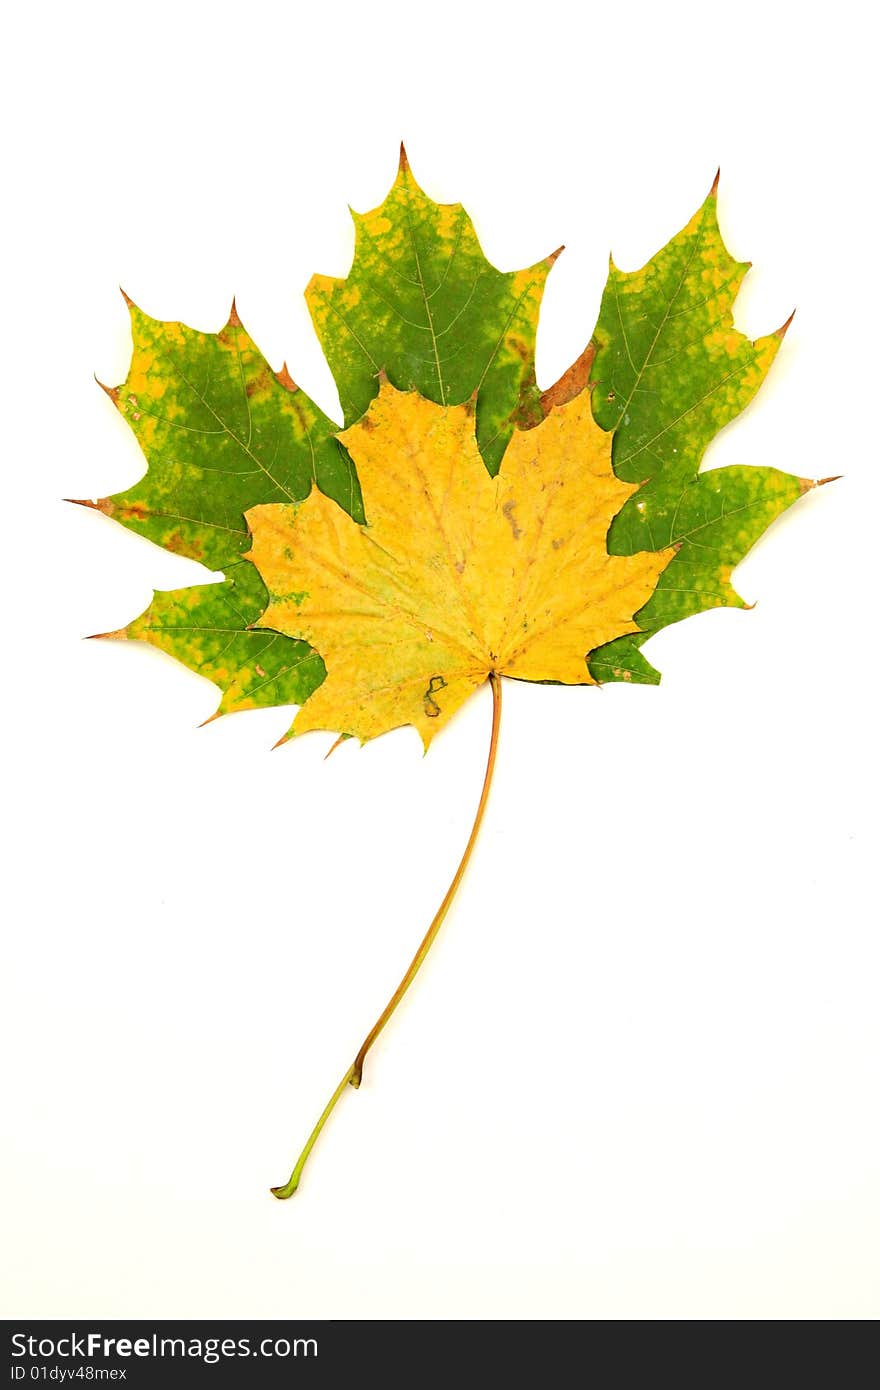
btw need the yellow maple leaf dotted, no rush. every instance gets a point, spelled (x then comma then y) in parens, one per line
(456, 574)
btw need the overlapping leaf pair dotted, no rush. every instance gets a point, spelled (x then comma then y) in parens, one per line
(463, 522)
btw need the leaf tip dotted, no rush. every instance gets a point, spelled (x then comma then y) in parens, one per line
(128, 299)
(103, 504)
(713, 191)
(210, 719)
(119, 634)
(333, 747)
(781, 332)
(554, 255)
(233, 319)
(285, 378)
(808, 484)
(402, 161)
(112, 392)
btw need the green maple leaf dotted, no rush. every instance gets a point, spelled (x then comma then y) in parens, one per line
(670, 371)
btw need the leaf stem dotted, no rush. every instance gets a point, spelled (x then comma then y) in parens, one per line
(355, 1072)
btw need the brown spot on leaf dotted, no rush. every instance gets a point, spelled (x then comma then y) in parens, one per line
(300, 414)
(259, 670)
(507, 511)
(135, 512)
(432, 709)
(179, 544)
(256, 383)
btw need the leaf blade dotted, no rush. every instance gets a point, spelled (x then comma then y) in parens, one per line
(210, 628)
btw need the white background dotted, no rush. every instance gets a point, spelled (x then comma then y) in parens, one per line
(639, 1075)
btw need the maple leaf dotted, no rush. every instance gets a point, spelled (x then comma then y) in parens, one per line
(455, 574)
(463, 526)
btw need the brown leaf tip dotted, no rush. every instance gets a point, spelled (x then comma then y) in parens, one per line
(128, 299)
(285, 378)
(572, 382)
(333, 747)
(713, 191)
(403, 162)
(234, 320)
(111, 391)
(807, 484)
(554, 255)
(781, 332)
(103, 504)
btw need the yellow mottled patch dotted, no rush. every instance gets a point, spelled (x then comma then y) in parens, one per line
(765, 351)
(448, 220)
(715, 276)
(377, 223)
(631, 282)
(318, 291)
(456, 574)
(173, 335)
(725, 340)
(530, 282)
(137, 383)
